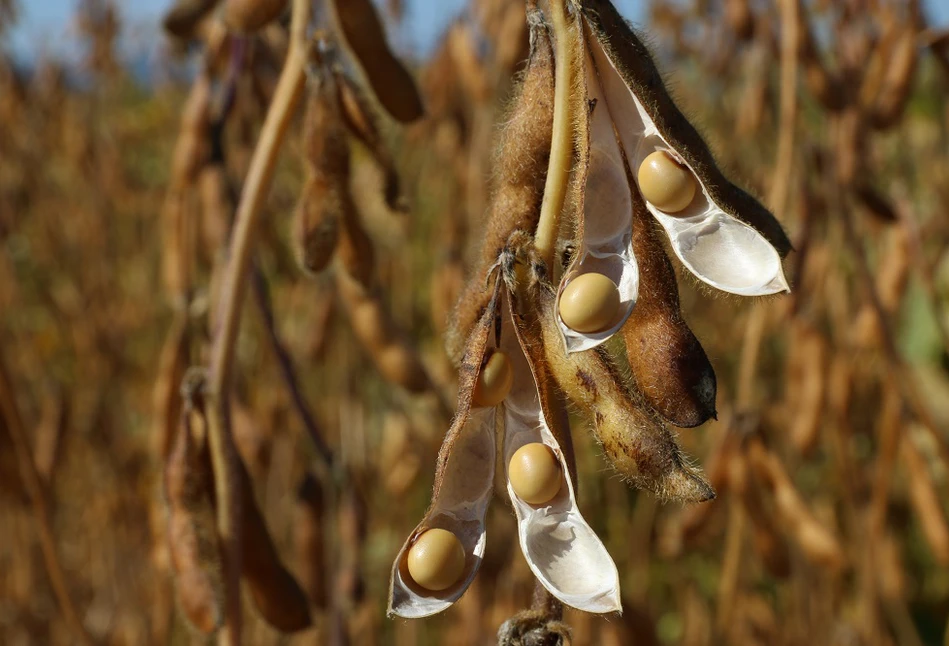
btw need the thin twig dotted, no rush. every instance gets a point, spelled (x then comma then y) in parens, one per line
(10, 416)
(262, 298)
(223, 453)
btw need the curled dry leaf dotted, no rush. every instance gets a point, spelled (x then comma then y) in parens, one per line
(464, 476)
(520, 172)
(723, 236)
(635, 440)
(603, 204)
(666, 360)
(561, 548)
(359, 24)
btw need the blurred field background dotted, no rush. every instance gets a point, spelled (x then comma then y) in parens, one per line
(831, 449)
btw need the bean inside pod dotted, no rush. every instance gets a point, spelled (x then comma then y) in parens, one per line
(535, 474)
(590, 303)
(436, 560)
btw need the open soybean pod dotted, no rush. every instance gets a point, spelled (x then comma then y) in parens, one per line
(599, 289)
(521, 171)
(359, 24)
(464, 477)
(666, 361)
(562, 550)
(637, 443)
(719, 232)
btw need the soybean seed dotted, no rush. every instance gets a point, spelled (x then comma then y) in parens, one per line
(495, 380)
(589, 303)
(436, 560)
(534, 472)
(665, 183)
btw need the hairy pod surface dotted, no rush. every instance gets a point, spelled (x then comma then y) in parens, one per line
(667, 363)
(519, 176)
(635, 440)
(359, 24)
(724, 236)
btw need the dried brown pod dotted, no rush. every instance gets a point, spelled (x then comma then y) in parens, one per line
(308, 540)
(520, 172)
(667, 362)
(897, 83)
(359, 25)
(926, 501)
(324, 199)
(276, 594)
(815, 541)
(808, 370)
(768, 541)
(393, 356)
(182, 19)
(635, 440)
(192, 532)
(361, 119)
(166, 399)
(316, 225)
(247, 16)
(468, 65)
(724, 236)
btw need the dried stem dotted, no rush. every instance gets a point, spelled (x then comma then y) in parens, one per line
(790, 38)
(224, 458)
(561, 144)
(10, 418)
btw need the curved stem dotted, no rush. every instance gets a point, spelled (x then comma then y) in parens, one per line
(561, 143)
(223, 453)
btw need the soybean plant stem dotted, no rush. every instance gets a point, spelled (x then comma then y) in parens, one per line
(223, 454)
(561, 143)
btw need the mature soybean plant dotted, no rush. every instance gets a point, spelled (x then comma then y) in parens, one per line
(598, 163)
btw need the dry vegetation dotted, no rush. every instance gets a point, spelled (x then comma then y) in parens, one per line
(158, 459)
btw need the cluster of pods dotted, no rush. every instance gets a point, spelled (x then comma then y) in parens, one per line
(528, 334)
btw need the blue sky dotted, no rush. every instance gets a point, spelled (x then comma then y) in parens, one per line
(44, 26)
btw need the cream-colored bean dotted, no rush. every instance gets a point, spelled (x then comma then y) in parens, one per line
(534, 472)
(436, 560)
(589, 303)
(495, 380)
(665, 183)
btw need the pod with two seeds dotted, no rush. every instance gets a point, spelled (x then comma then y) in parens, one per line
(721, 234)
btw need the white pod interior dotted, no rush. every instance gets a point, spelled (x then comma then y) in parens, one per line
(460, 506)
(719, 249)
(562, 550)
(604, 242)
